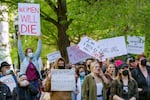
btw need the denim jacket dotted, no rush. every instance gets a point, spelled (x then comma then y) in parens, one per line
(25, 60)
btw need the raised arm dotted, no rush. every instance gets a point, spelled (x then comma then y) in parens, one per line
(39, 48)
(20, 50)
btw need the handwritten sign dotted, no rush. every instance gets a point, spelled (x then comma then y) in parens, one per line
(89, 46)
(135, 44)
(63, 80)
(112, 47)
(76, 55)
(29, 19)
(53, 56)
(9, 81)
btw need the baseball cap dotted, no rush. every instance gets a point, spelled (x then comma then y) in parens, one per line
(3, 64)
(124, 65)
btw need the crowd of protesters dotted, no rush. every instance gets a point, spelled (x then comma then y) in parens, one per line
(113, 79)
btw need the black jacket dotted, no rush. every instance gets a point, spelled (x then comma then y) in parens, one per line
(25, 93)
(5, 93)
(141, 81)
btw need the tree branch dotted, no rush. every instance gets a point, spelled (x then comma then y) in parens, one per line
(46, 17)
(52, 5)
(69, 22)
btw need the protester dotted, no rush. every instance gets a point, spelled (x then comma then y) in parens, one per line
(5, 93)
(142, 75)
(29, 63)
(25, 90)
(57, 95)
(94, 85)
(81, 72)
(110, 72)
(124, 87)
(110, 75)
(44, 95)
(5, 69)
(132, 63)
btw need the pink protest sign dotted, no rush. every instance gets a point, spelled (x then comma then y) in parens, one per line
(29, 19)
(76, 55)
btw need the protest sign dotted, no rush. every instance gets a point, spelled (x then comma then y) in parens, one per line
(135, 44)
(29, 19)
(76, 55)
(53, 56)
(112, 47)
(9, 81)
(89, 46)
(63, 80)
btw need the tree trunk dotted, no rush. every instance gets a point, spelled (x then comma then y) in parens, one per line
(63, 40)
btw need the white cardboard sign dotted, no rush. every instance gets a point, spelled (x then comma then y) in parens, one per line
(9, 81)
(89, 46)
(135, 44)
(63, 80)
(112, 47)
(76, 55)
(29, 19)
(53, 56)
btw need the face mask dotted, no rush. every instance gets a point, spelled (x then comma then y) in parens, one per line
(30, 55)
(8, 71)
(61, 67)
(143, 62)
(82, 74)
(24, 83)
(125, 72)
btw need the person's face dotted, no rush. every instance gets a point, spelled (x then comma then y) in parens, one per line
(96, 68)
(122, 69)
(4, 69)
(61, 63)
(133, 64)
(111, 69)
(29, 51)
(141, 59)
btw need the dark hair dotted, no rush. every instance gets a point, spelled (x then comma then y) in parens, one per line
(27, 51)
(77, 70)
(89, 59)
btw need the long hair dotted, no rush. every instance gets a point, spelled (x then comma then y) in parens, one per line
(114, 73)
(56, 62)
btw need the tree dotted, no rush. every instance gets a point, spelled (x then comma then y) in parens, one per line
(98, 19)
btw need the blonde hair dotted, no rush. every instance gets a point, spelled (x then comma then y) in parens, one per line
(114, 74)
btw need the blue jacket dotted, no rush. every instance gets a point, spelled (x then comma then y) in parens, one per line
(25, 59)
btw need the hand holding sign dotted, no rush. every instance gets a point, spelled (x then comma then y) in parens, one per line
(18, 34)
(40, 36)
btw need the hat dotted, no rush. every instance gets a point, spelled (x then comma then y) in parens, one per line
(130, 60)
(118, 63)
(124, 65)
(3, 64)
